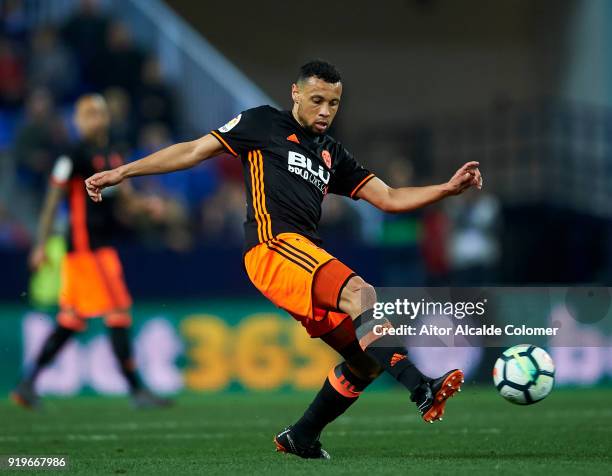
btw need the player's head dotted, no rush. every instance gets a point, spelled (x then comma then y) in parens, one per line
(91, 116)
(316, 95)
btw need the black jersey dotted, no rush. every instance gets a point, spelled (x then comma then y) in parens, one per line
(287, 172)
(91, 224)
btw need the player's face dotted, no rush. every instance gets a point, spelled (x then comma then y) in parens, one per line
(92, 117)
(315, 103)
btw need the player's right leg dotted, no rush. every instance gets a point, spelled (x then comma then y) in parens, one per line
(114, 302)
(357, 299)
(119, 323)
(68, 323)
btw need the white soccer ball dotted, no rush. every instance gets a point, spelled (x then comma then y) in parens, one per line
(524, 374)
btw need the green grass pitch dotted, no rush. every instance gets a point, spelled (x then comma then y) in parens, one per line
(568, 433)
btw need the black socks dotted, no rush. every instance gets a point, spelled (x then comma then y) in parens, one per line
(120, 341)
(121, 347)
(339, 392)
(54, 343)
(388, 350)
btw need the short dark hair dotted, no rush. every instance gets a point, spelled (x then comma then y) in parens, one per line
(319, 69)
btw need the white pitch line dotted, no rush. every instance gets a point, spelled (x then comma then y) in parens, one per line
(383, 419)
(76, 431)
(92, 437)
(136, 426)
(114, 437)
(410, 431)
(214, 436)
(13, 439)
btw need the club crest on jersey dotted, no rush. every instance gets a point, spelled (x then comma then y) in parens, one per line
(326, 158)
(301, 165)
(231, 124)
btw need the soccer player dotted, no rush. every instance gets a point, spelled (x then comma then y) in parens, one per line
(290, 163)
(92, 277)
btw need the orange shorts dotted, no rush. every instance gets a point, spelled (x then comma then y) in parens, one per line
(284, 270)
(92, 283)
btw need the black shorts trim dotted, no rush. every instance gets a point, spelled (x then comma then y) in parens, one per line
(277, 250)
(278, 241)
(298, 257)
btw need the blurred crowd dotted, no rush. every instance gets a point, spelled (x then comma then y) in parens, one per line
(44, 69)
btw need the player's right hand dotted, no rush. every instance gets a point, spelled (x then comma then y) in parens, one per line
(38, 256)
(467, 176)
(102, 180)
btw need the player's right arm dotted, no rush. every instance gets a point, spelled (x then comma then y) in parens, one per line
(181, 156)
(61, 172)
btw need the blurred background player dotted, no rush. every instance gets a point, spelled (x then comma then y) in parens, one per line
(92, 277)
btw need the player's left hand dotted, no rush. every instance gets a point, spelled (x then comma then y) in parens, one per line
(97, 182)
(467, 176)
(38, 257)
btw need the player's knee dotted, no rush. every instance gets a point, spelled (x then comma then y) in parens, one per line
(368, 296)
(357, 296)
(118, 319)
(69, 320)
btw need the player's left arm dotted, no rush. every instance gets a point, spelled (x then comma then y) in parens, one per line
(405, 199)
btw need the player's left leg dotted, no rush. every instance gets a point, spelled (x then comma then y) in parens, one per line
(345, 382)
(341, 389)
(68, 324)
(119, 323)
